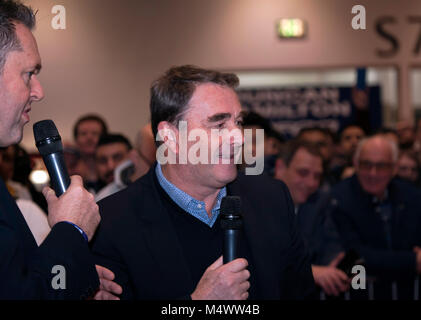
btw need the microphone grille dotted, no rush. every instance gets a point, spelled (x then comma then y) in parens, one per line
(45, 129)
(231, 205)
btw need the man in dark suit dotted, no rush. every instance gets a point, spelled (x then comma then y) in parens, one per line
(300, 166)
(26, 271)
(379, 217)
(162, 235)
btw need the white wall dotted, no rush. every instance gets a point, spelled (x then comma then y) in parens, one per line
(111, 51)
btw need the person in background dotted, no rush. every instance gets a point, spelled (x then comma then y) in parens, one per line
(34, 216)
(7, 169)
(320, 138)
(273, 140)
(86, 133)
(408, 166)
(300, 166)
(323, 140)
(23, 167)
(378, 216)
(406, 134)
(111, 151)
(349, 137)
(417, 138)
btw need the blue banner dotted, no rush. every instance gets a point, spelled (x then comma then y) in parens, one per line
(291, 109)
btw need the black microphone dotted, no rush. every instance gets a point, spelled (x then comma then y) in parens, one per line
(231, 223)
(49, 145)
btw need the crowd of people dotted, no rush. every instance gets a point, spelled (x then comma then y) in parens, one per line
(341, 185)
(132, 227)
(356, 195)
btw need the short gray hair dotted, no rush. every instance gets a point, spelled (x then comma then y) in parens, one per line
(12, 12)
(393, 147)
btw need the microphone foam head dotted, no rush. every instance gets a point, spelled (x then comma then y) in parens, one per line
(45, 129)
(231, 213)
(231, 205)
(47, 138)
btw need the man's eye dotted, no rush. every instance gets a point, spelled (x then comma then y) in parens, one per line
(118, 157)
(29, 75)
(303, 173)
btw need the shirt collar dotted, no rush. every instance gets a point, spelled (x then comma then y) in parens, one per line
(376, 200)
(194, 207)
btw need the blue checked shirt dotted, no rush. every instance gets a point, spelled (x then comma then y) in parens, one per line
(194, 207)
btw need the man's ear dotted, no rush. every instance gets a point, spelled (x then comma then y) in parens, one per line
(280, 169)
(168, 133)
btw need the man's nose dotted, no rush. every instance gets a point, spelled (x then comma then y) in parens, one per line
(313, 182)
(111, 164)
(373, 170)
(37, 91)
(237, 137)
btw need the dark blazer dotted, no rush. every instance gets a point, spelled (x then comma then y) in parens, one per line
(361, 228)
(26, 269)
(137, 241)
(318, 229)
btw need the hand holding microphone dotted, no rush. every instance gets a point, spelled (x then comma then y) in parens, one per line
(224, 281)
(70, 201)
(227, 278)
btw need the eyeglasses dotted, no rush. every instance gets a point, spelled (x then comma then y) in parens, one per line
(408, 169)
(380, 166)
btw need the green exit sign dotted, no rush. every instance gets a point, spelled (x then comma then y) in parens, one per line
(291, 28)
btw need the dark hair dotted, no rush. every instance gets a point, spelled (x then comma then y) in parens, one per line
(332, 135)
(293, 146)
(386, 130)
(114, 138)
(171, 93)
(311, 129)
(90, 117)
(351, 125)
(12, 12)
(252, 118)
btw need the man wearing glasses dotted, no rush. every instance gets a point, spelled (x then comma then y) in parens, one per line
(380, 218)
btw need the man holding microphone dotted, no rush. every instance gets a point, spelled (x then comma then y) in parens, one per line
(25, 269)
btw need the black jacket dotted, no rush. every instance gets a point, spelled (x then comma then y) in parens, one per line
(137, 241)
(26, 269)
(360, 227)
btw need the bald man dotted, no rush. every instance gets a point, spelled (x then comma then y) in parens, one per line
(379, 217)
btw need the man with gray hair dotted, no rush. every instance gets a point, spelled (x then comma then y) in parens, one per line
(378, 216)
(26, 270)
